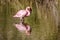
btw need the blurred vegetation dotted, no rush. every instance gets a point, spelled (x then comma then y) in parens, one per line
(44, 19)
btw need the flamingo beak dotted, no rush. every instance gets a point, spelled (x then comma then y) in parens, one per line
(30, 9)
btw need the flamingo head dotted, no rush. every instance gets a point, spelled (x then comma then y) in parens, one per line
(28, 30)
(28, 8)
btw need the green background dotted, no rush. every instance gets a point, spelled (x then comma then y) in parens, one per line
(44, 19)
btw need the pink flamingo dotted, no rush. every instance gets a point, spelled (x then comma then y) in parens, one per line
(23, 13)
(23, 27)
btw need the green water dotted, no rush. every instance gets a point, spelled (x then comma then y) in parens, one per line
(41, 20)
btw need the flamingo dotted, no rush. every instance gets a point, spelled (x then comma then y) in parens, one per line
(23, 13)
(23, 27)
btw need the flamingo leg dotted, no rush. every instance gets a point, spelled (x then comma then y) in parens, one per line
(22, 20)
